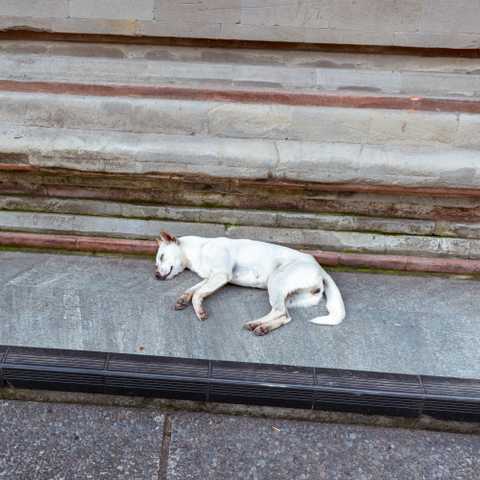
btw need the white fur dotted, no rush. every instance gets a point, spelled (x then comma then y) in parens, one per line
(292, 278)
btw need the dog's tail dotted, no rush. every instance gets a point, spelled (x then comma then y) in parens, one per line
(335, 305)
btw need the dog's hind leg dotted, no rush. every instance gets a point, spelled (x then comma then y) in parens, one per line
(272, 321)
(278, 293)
(266, 324)
(291, 284)
(184, 299)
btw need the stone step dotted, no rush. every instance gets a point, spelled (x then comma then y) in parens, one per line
(244, 68)
(230, 217)
(387, 143)
(461, 206)
(367, 126)
(134, 153)
(335, 239)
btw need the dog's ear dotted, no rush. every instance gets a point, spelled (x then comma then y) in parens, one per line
(167, 237)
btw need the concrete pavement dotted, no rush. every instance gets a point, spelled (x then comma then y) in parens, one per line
(54, 441)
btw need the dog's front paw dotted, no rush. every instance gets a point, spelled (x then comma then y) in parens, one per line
(250, 326)
(261, 330)
(201, 314)
(183, 301)
(181, 304)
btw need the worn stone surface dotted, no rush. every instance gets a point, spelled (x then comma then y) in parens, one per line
(238, 120)
(119, 152)
(53, 441)
(468, 129)
(381, 164)
(378, 22)
(264, 449)
(226, 216)
(365, 74)
(124, 152)
(403, 324)
(119, 9)
(35, 8)
(328, 237)
(233, 193)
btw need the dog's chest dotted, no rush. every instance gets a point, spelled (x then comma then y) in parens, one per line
(249, 277)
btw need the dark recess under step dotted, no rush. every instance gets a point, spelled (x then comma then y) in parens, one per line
(19, 33)
(458, 204)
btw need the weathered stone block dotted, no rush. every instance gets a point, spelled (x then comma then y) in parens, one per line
(296, 13)
(413, 128)
(179, 28)
(447, 16)
(208, 11)
(468, 134)
(118, 9)
(375, 15)
(257, 121)
(34, 8)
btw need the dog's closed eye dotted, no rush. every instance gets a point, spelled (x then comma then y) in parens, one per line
(162, 257)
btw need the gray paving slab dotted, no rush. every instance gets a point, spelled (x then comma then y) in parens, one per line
(48, 441)
(219, 447)
(395, 323)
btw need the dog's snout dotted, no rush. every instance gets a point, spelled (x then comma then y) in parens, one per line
(159, 276)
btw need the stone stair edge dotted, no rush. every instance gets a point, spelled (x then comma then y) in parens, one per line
(337, 163)
(224, 119)
(105, 245)
(247, 54)
(457, 80)
(322, 237)
(238, 217)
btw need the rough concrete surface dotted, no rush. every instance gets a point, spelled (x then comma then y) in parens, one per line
(49, 441)
(236, 447)
(425, 23)
(403, 324)
(55, 441)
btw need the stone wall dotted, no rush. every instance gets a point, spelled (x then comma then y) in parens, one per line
(420, 23)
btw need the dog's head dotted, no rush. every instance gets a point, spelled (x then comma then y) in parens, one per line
(169, 261)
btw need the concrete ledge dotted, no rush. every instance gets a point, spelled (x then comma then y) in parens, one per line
(118, 152)
(77, 243)
(250, 95)
(298, 237)
(419, 24)
(259, 218)
(241, 217)
(222, 119)
(152, 69)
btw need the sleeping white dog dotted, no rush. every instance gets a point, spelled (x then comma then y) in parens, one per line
(292, 278)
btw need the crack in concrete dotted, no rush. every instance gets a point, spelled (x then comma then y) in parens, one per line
(165, 447)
